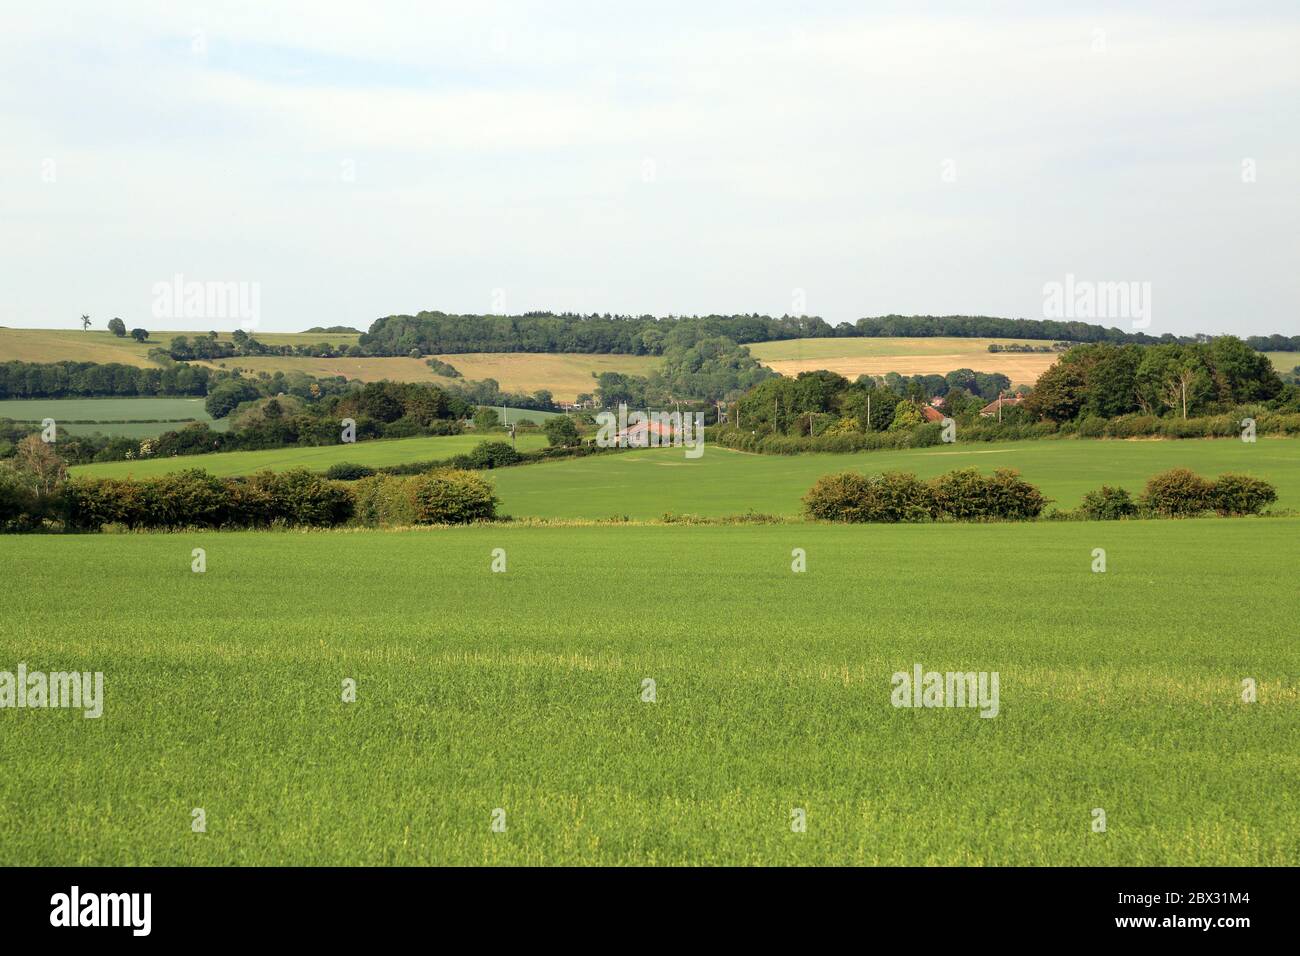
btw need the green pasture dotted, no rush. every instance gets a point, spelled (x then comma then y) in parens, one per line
(373, 453)
(130, 417)
(647, 483)
(523, 692)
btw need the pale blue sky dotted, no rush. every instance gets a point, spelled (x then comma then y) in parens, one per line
(358, 160)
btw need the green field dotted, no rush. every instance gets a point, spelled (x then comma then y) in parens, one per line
(647, 483)
(515, 415)
(376, 454)
(522, 691)
(130, 417)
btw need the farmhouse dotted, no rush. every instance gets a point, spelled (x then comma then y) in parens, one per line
(639, 435)
(931, 413)
(1008, 401)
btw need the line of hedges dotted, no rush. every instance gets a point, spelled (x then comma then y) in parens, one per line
(196, 499)
(922, 436)
(485, 456)
(1181, 493)
(893, 496)
(967, 495)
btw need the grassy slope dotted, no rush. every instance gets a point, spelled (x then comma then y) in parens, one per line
(98, 345)
(373, 453)
(647, 483)
(566, 375)
(1119, 691)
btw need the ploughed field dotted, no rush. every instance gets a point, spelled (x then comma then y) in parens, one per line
(525, 692)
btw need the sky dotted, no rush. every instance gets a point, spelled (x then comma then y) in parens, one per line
(353, 160)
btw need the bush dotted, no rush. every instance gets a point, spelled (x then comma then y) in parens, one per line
(966, 495)
(1241, 495)
(441, 497)
(560, 431)
(889, 497)
(452, 497)
(381, 501)
(493, 454)
(293, 497)
(348, 471)
(840, 497)
(1108, 504)
(1177, 493)
(187, 498)
(18, 501)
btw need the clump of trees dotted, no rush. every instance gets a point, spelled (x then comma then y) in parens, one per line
(1183, 380)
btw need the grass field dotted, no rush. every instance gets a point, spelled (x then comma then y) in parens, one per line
(1284, 361)
(372, 453)
(907, 356)
(522, 691)
(646, 483)
(112, 416)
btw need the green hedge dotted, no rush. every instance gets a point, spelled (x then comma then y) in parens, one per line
(441, 497)
(964, 495)
(1181, 493)
(195, 499)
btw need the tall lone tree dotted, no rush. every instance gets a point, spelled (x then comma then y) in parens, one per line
(85, 322)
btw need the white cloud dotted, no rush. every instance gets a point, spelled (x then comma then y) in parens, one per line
(504, 147)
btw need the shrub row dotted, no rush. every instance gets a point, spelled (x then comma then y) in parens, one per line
(1181, 493)
(964, 495)
(440, 497)
(499, 455)
(1127, 426)
(195, 499)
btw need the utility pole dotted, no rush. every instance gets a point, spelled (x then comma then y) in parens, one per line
(868, 411)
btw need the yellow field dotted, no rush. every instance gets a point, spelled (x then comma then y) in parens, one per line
(565, 374)
(100, 345)
(907, 356)
(1284, 361)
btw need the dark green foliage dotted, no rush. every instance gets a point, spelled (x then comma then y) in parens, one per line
(963, 495)
(852, 497)
(1108, 504)
(1241, 495)
(493, 454)
(348, 471)
(561, 432)
(440, 497)
(195, 499)
(967, 495)
(1177, 493)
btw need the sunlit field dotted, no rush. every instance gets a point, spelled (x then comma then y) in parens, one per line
(908, 356)
(522, 698)
(376, 454)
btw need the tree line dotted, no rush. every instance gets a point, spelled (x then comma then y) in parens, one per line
(429, 333)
